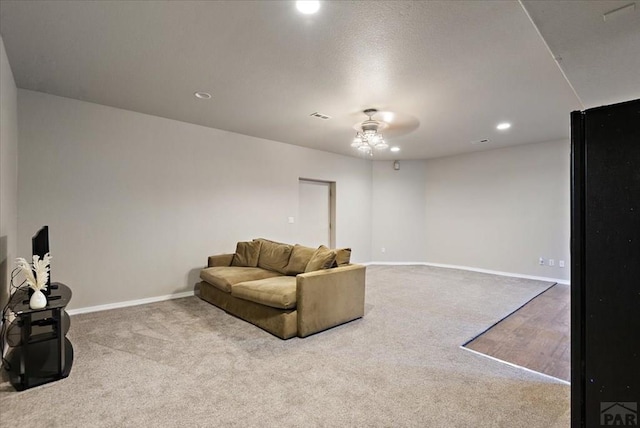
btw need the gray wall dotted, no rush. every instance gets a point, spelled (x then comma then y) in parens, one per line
(8, 173)
(501, 209)
(399, 211)
(135, 203)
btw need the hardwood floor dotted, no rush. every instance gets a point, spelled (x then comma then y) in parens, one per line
(537, 336)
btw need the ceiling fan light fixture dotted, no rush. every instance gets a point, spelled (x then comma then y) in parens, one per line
(382, 145)
(369, 137)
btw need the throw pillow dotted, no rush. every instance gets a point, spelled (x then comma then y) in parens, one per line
(343, 257)
(246, 254)
(322, 258)
(299, 259)
(274, 256)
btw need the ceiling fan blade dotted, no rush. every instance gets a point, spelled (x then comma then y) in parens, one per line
(392, 124)
(397, 123)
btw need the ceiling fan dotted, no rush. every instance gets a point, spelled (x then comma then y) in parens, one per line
(369, 135)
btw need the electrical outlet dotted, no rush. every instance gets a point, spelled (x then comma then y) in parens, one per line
(561, 263)
(383, 250)
(291, 220)
(552, 262)
(541, 261)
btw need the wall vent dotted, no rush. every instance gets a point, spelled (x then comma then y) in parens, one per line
(320, 116)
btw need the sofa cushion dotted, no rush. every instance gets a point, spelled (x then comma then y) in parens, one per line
(343, 256)
(322, 258)
(274, 255)
(277, 292)
(223, 277)
(246, 254)
(300, 256)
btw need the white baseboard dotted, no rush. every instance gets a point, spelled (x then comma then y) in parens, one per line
(129, 303)
(474, 269)
(190, 293)
(394, 263)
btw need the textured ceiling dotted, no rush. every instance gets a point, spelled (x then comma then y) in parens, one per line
(601, 58)
(454, 68)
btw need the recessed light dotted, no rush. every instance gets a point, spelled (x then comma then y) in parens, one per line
(308, 7)
(203, 95)
(504, 125)
(395, 149)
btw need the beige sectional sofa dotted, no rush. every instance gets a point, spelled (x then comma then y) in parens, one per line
(287, 290)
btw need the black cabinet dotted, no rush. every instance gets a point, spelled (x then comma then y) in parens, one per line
(605, 266)
(39, 350)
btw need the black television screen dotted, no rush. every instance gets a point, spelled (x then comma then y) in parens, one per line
(40, 247)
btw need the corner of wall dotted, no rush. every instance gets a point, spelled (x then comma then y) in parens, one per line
(8, 172)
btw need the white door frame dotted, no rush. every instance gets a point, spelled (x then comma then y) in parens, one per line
(332, 207)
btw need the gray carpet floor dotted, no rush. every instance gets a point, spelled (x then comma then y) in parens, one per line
(185, 363)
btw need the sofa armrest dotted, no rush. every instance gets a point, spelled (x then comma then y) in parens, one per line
(220, 260)
(327, 298)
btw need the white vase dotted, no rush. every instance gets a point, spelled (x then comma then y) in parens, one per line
(38, 300)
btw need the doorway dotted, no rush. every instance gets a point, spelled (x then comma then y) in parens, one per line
(316, 212)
